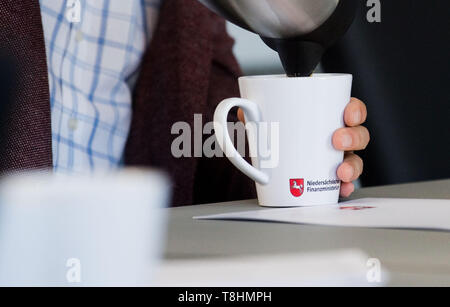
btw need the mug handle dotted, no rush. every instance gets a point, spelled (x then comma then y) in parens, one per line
(252, 114)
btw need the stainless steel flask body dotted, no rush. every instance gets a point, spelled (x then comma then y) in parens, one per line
(299, 30)
(275, 18)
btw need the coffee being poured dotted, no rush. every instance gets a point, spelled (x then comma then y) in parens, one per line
(299, 30)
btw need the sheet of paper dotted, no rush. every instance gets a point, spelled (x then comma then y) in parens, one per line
(420, 214)
(329, 268)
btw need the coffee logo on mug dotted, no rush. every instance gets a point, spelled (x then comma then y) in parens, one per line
(297, 187)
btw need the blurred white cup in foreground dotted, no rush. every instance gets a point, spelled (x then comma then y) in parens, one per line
(96, 230)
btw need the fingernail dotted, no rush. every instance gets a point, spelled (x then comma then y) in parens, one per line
(356, 117)
(346, 141)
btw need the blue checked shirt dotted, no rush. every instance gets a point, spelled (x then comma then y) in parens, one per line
(94, 50)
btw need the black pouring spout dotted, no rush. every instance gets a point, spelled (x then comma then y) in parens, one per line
(301, 55)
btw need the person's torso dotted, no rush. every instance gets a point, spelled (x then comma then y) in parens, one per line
(94, 50)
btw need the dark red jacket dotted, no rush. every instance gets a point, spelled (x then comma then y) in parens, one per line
(188, 69)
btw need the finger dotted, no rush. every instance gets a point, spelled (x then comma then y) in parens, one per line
(355, 113)
(351, 168)
(347, 189)
(348, 139)
(240, 115)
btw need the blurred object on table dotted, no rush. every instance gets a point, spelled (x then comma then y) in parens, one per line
(98, 230)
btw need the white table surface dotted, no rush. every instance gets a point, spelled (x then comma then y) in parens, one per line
(413, 258)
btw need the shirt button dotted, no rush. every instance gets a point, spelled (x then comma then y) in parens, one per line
(79, 36)
(73, 124)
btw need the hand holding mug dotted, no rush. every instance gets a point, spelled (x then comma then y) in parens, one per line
(352, 138)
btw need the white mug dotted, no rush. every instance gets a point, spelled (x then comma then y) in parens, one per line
(296, 119)
(97, 230)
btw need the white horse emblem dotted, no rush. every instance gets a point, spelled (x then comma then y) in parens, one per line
(297, 187)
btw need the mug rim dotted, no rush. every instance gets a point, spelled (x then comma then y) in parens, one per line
(315, 76)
